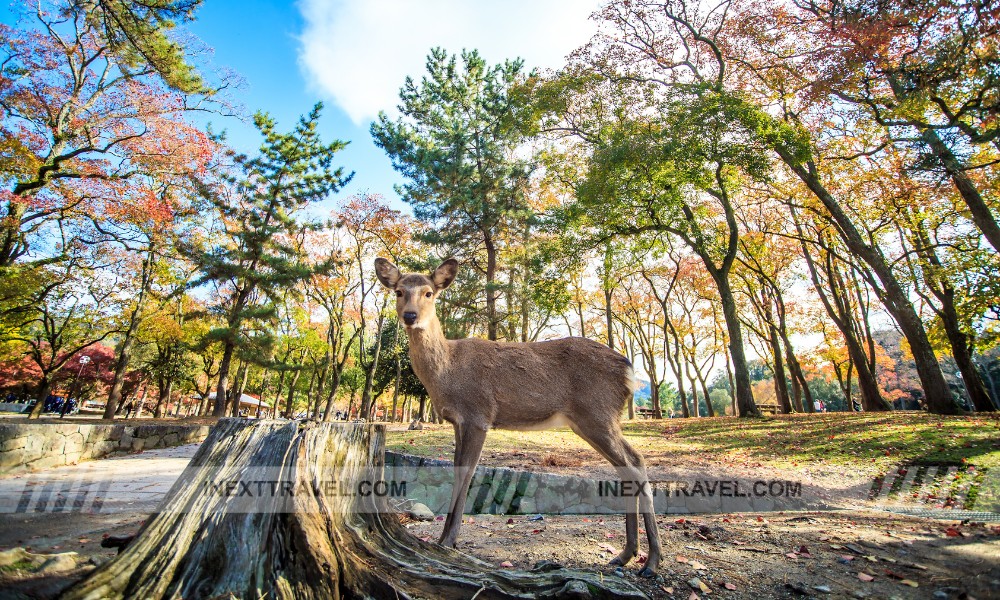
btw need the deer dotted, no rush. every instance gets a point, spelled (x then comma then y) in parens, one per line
(478, 385)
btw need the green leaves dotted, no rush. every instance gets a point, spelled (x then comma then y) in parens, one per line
(138, 33)
(257, 251)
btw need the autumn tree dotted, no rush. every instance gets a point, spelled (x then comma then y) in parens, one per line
(86, 88)
(925, 71)
(373, 230)
(671, 43)
(66, 320)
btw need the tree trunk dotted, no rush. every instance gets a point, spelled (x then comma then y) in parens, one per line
(709, 409)
(803, 398)
(162, 397)
(121, 366)
(278, 389)
(237, 393)
(366, 395)
(745, 405)
(893, 296)
(44, 387)
(289, 409)
(304, 545)
(654, 392)
(974, 384)
(978, 209)
(780, 383)
(491, 292)
(334, 386)
(961, 342)
(125, 354)
(219, 410)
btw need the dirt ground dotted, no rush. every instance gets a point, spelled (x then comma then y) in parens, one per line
(737, 556)
(743, 556)
(845, 554)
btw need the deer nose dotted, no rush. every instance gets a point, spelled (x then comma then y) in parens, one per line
(409, 318)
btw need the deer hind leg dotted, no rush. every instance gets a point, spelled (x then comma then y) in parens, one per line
(611, 444)
(468, 446)
(648, 512)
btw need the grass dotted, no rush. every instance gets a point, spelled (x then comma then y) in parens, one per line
(873, 441)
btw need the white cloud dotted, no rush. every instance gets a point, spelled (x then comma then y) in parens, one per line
(358, 52)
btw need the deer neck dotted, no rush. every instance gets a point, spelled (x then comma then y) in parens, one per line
(429, 353)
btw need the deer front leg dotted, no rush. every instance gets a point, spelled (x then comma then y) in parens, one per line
(468, 446)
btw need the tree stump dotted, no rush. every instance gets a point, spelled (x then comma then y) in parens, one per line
(307, 545)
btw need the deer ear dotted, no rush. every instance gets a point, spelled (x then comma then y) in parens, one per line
(387, 273)
(445, 274)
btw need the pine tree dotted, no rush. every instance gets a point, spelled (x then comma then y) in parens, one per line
(456, 144)
(254, 252)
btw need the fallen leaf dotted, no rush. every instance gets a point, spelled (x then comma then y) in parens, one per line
(952, 532)
(83, 540)
(729, 586)
(693, 596)
(697, 566)
(910, 583)
(792, 555)
(666, 589)
(865, 576)
(698, 584)
(506, 564)
(804, 551)
(609, 548)
(681, 559)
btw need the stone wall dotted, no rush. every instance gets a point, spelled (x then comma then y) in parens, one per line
(32, 446)
(497, 490)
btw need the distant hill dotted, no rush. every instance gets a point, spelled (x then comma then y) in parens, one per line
(642, 394)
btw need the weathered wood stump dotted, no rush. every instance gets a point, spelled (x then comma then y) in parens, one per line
(213, 541)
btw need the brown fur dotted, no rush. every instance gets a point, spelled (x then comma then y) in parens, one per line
(477, 385)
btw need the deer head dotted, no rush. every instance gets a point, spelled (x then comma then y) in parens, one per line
(415, 293)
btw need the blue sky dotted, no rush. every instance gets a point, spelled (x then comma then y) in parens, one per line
(354, 55)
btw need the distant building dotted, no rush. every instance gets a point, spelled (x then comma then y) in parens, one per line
(249, 404)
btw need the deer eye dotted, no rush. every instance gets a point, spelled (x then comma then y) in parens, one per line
(399, 293)
(428, 294)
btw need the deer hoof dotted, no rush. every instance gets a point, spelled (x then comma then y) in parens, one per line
(647, 573)
(616, 562)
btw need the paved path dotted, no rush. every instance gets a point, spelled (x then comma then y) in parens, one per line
(72, 507)
(107, 485)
